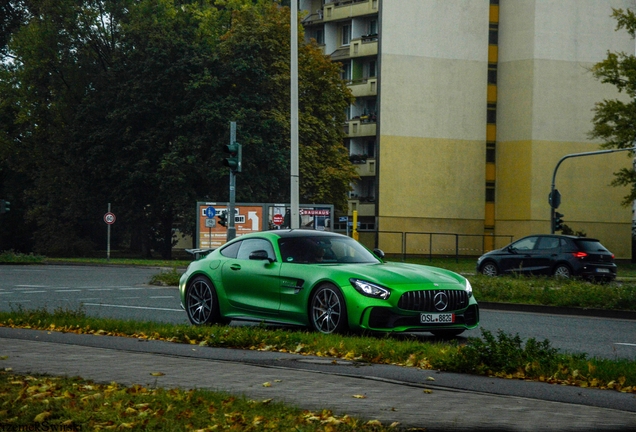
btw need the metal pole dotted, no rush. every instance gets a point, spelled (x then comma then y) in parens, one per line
(552, 208)
(294, 189)
(108, 239)
(231, 230)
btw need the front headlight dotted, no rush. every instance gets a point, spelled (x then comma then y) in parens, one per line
(370, 289)
(469, 289)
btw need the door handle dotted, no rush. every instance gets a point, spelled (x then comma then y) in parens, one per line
(235, 266)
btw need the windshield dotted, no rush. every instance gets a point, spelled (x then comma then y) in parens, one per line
(305, 250)
(591, 246)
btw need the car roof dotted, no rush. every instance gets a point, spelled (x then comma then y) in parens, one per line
(571, 237)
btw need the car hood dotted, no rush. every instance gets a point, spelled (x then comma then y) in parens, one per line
(396, 274)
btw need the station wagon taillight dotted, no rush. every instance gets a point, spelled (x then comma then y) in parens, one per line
(579, 254)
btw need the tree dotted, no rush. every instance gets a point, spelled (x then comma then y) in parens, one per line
(129, 102)
(615, 119)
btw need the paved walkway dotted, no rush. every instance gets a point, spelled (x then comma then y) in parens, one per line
(387, 400)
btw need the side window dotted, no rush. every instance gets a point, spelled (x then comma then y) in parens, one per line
(548, 243)
(252, 245)
(231, 250)
(525, 244)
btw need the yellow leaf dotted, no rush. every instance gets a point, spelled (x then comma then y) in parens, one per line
(42, 416)
(357, 396)
(267, 384)
(430, 379)
(374, 423)
(427, 391)
(4, 357)
(157, 373)
(266, 401)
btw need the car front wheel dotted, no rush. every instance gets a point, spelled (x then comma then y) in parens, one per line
(201, 302)
(562, 271)
(327, 310)
(489, 269)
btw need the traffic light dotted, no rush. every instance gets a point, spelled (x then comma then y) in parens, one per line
(233, 161)
(222, 219)
(4, 206)
(558, 221)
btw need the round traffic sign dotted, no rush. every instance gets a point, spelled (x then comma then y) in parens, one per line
(278, 219)
(109, 218)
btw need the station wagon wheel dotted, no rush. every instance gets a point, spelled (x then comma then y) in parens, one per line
(489, 269)
(327, 310)
(201, 302)
(562, 271)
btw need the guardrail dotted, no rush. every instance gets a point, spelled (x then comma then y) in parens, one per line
(446, 244)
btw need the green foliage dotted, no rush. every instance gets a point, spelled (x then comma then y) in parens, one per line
(12, 257)
(614, 119)
(505, 354)
(553, 292)
(130, 103)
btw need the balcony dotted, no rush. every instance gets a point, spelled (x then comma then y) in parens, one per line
(347, 9)
(364, 87)
(364, 167)
(363, 47)
(360, 127)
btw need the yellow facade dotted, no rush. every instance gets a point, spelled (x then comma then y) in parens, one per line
(476, 102)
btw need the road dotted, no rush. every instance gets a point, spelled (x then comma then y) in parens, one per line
(124, 293)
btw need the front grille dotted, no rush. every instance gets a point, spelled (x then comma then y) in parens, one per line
(424, 301)
(383, 318)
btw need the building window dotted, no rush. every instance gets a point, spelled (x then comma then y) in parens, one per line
(490, 191)
(492, 74)
(373, 27)
(372, 69)
(346, 34)
(491, 114)
(320, 36)
(493, 34)
(346, 72)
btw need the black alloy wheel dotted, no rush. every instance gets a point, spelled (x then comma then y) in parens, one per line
(327, 310)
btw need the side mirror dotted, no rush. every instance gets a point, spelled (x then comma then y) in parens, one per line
(379, 253)
(261, 255)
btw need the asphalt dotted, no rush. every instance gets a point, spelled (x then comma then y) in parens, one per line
(415, 398)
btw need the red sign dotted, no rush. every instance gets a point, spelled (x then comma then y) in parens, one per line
(278, 219)
(109, 218)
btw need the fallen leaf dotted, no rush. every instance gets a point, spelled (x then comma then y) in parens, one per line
(267, 384)
(157, 373)
(42, 416)
(427, 391)
(357, 396)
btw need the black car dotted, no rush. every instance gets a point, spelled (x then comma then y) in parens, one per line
(558, 255)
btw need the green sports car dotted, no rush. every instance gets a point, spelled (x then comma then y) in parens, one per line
(326, 281)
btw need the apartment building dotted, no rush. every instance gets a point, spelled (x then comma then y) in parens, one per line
(463, 110)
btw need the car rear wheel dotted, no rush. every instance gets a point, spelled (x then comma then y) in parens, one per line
(327, 310)
(562, 271)
(489, 269)
(201, 302)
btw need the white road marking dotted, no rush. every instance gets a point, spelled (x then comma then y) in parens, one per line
(132, 307)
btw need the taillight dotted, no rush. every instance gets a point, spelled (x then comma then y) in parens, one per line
(579, 254)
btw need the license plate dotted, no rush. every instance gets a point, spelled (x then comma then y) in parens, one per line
(602, 270)
(437, 318)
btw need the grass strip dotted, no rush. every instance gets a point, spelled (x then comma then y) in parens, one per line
(41, 402)
(501, 355)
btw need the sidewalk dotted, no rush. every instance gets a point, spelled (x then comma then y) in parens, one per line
(129, 361)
